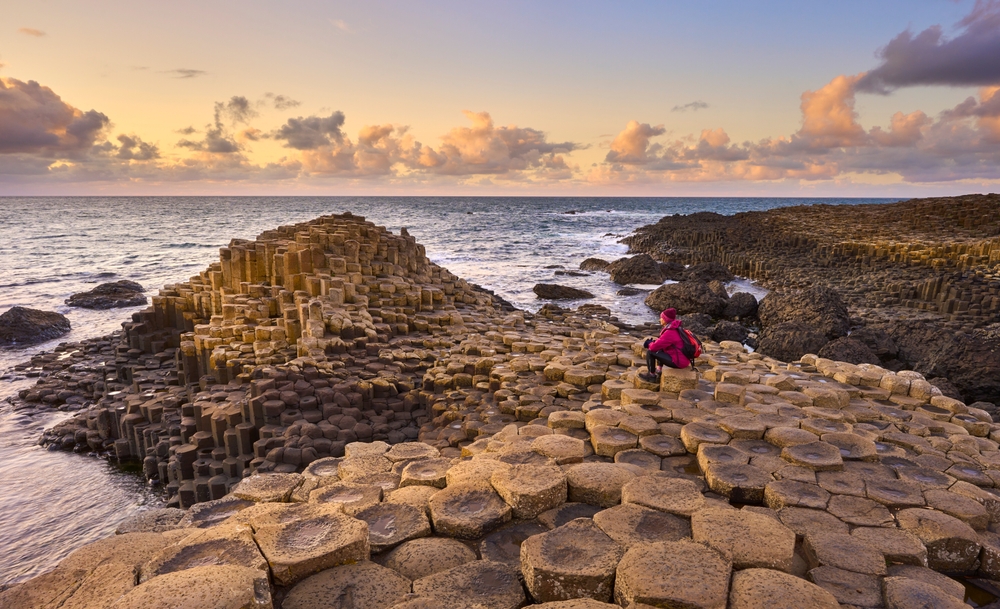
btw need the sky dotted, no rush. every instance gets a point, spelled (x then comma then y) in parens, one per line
(657, 98)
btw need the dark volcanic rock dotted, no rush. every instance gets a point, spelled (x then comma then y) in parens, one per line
(820, 308)
(729, 330)
(741, 305)
(790, 340)
(848, 349)
(674, 271)
(699, 323)
(112, 295)
(22, 326)
(637, 269)
(946, 387)
(970, 362)
(708, 271)
(878, 340)
(989, 407)
(719, 288)
(686, 297)
(594, 264)
(552, 291)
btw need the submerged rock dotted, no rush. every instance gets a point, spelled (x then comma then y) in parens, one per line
(24, 326)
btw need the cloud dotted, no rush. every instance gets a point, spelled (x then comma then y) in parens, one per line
(281, 102)
(971, 58)
(189, 130)
(341, 25)
(186, 73)
(311, 132)
(632, 145)
(134, 149)
(961, 143)
(828, 116)
(30, 31)
(238, 109)
(486, 149)
(33, 119)
(693, 106)
(218, 137)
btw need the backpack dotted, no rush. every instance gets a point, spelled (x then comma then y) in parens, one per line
(690, 345)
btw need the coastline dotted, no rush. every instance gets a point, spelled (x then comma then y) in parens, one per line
(553, 390)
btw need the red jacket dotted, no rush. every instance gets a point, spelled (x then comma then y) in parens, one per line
(670, 342)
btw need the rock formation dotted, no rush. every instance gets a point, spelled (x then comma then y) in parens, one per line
(111, 295)
(553, 291)
(926, 262)
(528, 450)
(23, 326)
(637, 269)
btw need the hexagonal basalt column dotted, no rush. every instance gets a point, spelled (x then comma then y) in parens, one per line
(531, 489)
(748, 539)
(672, 495)
(572, 561)
(769, 589)
(598, 484)
(267, 487)
(630, 524)
(673, 574)
(303, 547)
(390, 524)
(468, 511)
(952, 545)
(428, 555)
(365, 584)
(480, 583)
(426, 472)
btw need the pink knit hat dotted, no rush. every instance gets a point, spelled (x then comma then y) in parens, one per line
(668, 315)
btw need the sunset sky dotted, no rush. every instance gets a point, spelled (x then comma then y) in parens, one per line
(849, 98)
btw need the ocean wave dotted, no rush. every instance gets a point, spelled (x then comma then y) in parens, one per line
(187, 245)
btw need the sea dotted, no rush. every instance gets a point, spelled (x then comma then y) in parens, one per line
(51, 247)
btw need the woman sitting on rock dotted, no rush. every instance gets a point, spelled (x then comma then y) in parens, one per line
(665, 350)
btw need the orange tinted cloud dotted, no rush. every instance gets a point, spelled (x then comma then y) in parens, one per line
(30, 31)
(961, 143)
(828, 116)
(43, 137)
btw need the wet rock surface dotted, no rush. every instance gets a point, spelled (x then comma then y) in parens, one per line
(466, 449)
(553, 291)
(111, 295)
(24, 326)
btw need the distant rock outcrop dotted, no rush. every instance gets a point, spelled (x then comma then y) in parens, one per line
(850, 350)
(788, 341)
(594, 264)
(687, 297)
(23, 326)
(820, 308)
(637, 269)
(708, 271)
(111, 295)
(741, 305)
(554, 291)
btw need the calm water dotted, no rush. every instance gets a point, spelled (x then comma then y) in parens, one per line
(53, 247)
